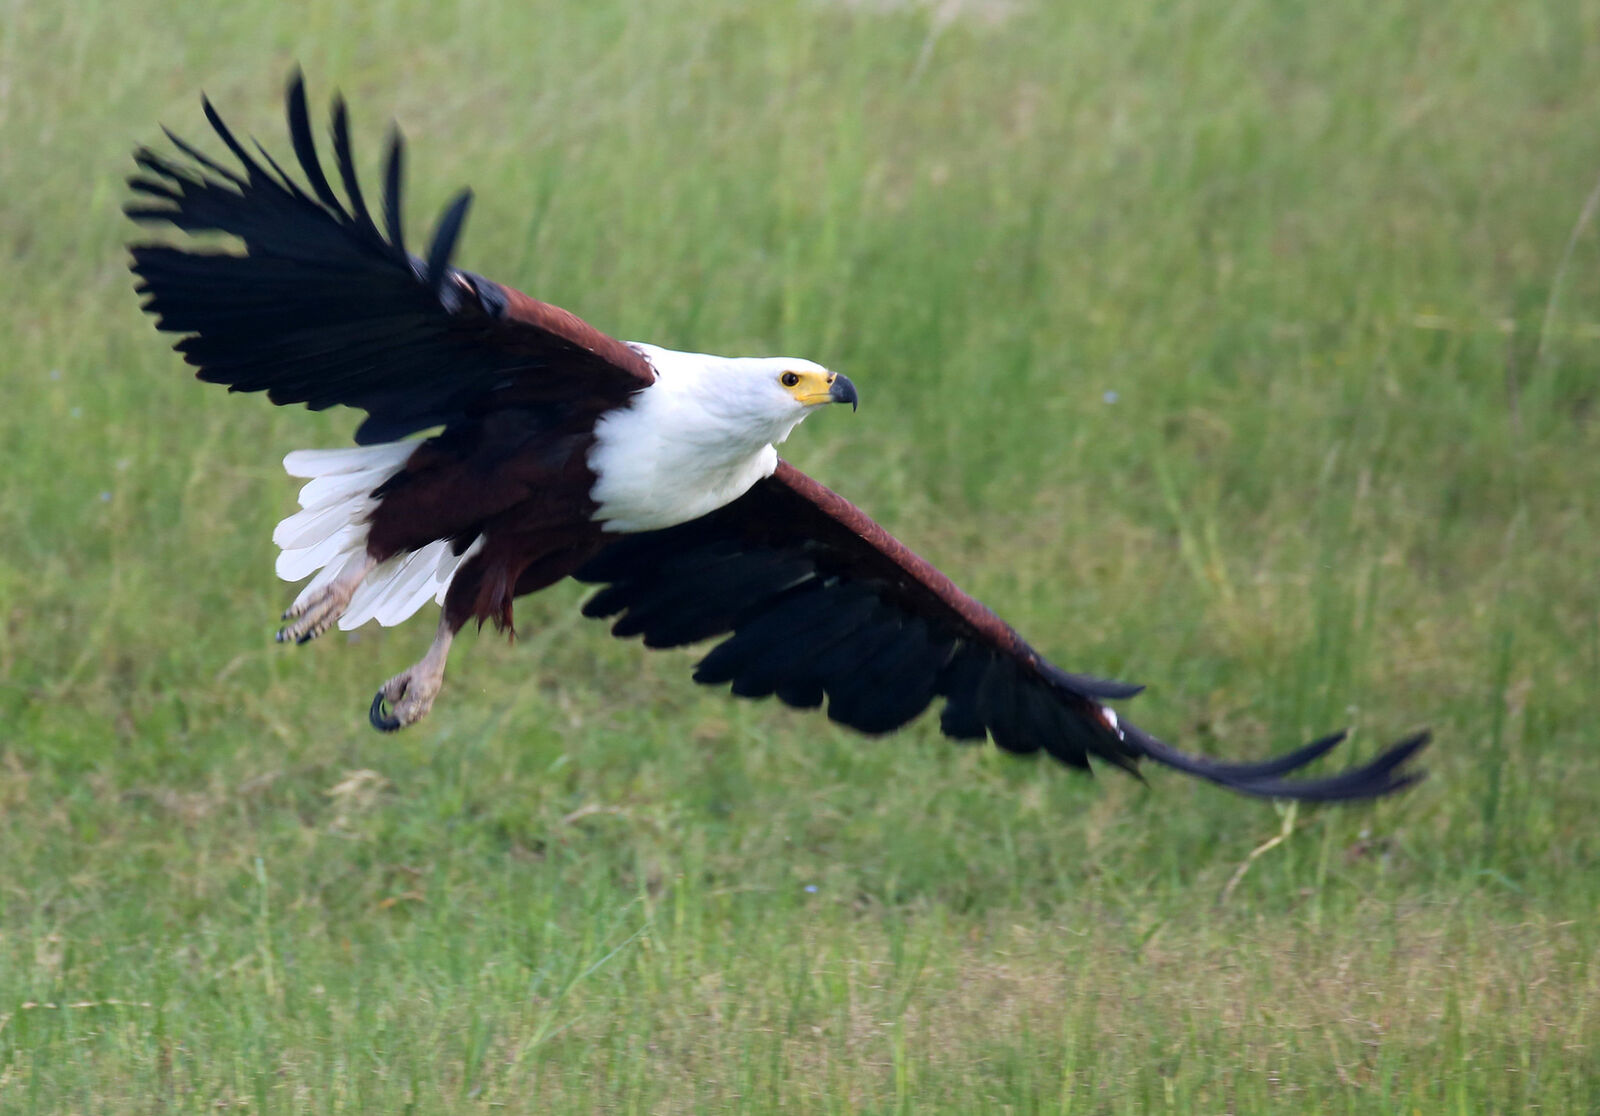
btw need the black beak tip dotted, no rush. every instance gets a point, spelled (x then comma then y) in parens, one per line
(843, 391)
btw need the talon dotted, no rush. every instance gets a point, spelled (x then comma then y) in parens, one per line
(319, 613)
(381, 718)
(406, 698)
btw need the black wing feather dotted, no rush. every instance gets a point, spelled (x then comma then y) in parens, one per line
(818, 603)
(960, 683)
(344, 157)
(393, 172)
(322, 308)
(444, 243)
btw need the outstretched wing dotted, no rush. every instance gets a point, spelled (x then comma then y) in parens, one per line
(323, 307)
(824, 603)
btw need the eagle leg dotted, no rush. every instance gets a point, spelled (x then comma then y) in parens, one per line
(319, 612)
(409, 695)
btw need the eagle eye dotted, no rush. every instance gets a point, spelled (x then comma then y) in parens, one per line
(789, 379)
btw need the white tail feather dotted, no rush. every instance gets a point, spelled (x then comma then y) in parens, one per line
(311, 526)
(351, 459)
(325, 492)
(393, 584)
(450, 563)
(329, 534)
(348, 538)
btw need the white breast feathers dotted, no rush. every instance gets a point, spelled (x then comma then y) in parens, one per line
(691, 442)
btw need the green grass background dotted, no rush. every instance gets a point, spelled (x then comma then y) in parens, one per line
(1249, 350)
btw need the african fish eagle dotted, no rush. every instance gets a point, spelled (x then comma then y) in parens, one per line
(553, 450)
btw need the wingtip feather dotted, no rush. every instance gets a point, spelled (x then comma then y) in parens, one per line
(1378, 778)
(344, 159)
(444, 240)
(294, 89)
(305, 144)
(393, 172)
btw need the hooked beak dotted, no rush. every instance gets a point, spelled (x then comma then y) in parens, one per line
(842, 391)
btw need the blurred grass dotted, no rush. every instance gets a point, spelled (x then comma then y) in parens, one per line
(1226, 348)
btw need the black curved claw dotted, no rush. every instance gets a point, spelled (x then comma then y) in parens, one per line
(382, 719)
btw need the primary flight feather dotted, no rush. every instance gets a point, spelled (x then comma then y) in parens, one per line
(561, 452)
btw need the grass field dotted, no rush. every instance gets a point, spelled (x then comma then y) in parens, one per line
(1249, 350)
